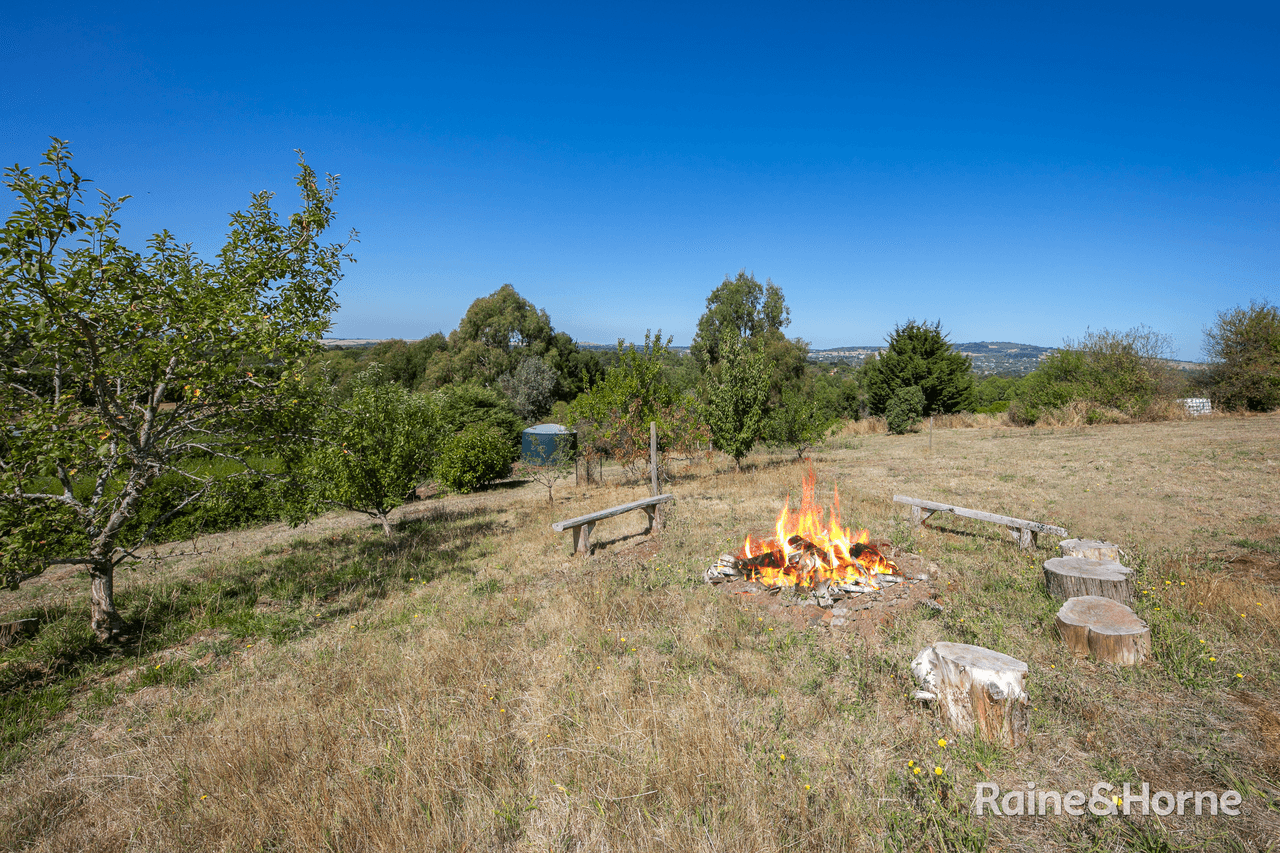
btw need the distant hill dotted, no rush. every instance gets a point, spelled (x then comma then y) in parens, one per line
(587, 345)
(988, 356)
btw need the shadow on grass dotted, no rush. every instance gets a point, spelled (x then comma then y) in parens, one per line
(280, 595)
(992, 535)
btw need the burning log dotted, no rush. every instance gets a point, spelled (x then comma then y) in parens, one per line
(1069, 577)
(1090, 549)
(978, 691)
(808, 552)
(802, 564)
(1105, 628)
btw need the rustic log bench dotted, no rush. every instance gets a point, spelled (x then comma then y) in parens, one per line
(1023, 531)
(583, 524)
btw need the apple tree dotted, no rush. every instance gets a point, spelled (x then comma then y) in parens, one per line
(119, 366)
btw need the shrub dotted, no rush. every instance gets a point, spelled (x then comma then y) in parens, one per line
(475, 456)
(1244, 356)
(798, 421)
(905, 409)
(1120, 371)
(530, 388)
(472, 405)
(240, 499)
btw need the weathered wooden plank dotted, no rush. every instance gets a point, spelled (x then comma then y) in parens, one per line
(1007, 521)
(561, 526)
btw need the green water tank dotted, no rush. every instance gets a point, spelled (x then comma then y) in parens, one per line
(538, 443)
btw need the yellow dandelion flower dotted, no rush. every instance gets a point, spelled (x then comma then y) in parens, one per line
(937, 771)
(942, 742)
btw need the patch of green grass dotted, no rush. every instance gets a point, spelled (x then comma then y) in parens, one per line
(1272, 547)
(492, 586)
(174, 673)
(935, 813)
(1185, 656)
(25, 714)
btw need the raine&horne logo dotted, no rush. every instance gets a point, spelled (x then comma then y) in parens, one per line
(1106, 799)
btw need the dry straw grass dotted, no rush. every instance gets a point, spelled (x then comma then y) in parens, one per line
(519, 699)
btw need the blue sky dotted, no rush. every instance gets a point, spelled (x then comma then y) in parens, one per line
(1017, 171)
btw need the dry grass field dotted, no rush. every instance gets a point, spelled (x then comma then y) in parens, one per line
(470, 686)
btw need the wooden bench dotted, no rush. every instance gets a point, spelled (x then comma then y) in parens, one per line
(1023, 531)
(583, 524)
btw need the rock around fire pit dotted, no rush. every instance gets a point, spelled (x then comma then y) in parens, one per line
(858, 612)
(813, 570)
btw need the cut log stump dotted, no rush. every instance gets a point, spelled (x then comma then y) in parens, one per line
(12, 632)
(1068, 577)
(978, 691)
(1090, 549)
(1104, 628)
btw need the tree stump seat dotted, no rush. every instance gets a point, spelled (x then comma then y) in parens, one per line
(1069, 577)
(978, 691)
(1090, 549)
(1104, 628)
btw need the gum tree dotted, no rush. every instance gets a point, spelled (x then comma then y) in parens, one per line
(118, 366)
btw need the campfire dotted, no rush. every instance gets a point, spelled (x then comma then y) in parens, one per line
(809, 553)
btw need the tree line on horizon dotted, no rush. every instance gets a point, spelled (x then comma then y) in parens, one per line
(152, 395)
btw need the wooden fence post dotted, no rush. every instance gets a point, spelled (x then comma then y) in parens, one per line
(656, 520)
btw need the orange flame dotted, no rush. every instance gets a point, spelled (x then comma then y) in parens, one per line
(805, 550)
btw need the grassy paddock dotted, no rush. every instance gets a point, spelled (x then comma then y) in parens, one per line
(470, 686)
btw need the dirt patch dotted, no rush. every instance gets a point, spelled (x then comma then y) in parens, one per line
(1260, 567)
(1263, 717)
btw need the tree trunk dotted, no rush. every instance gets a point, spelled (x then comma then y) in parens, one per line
(978, 691)
(1105, 628)
(1090, 549)
(103, 618)
(386, 524)
(1069, 577)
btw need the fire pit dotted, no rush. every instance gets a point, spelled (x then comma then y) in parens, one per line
(819, 562)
